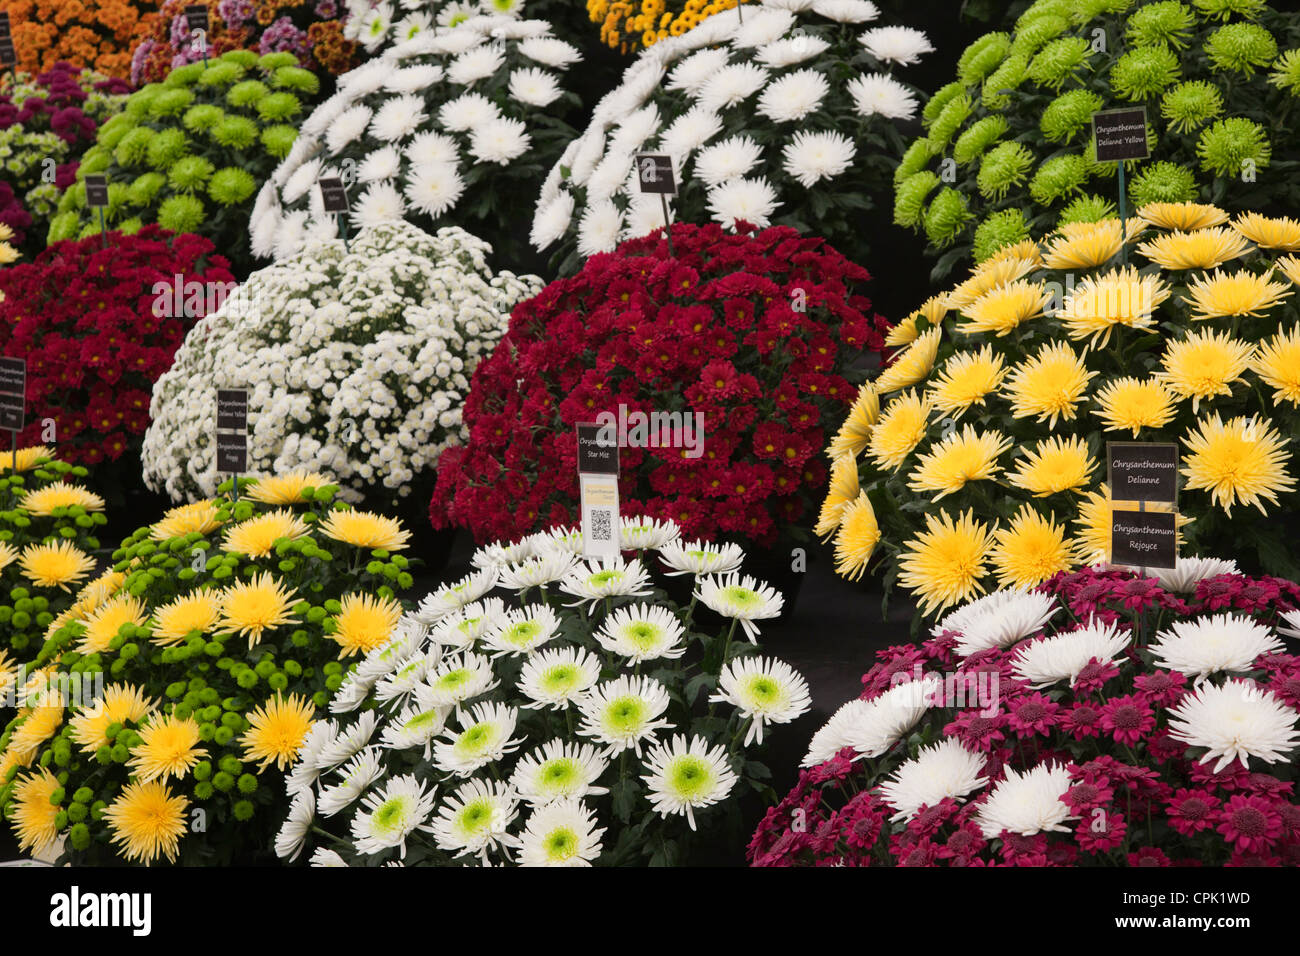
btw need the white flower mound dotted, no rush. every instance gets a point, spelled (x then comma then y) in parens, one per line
(737, 104)
(356, 363)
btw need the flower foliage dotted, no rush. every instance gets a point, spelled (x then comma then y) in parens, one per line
(94, 33)
(1106, 719)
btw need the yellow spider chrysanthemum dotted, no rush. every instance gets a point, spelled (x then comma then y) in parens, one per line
(1048, 386)
(35, 818)
(843, 489)
(856, 539)
(104, 623)
(944, 564)
(1087, 245)
(38, 727)
(1054, 465)
(8, 555)
(1031, 550)
(253, 607)
(364, 622)
(121, 703)
(43, 501)
(1290, 266)
(363, 529)
(1201, 249)
(1131, 404)
(277, 731)
(1182, 216)
(8, 674)
(168, 747)
(932, 310)
(11, 762)
(1093, 521)
(199, 517)
(966, 380)
(1234, 294)
(1240, 460)
(1204, 365)
(901, 427)
(1277, 362)
(257, 536)
(1004, 308)
(55, 565)
(89, 598)
(1024, 249)
(854, 434)
(913, 364)
(1100, 303)
(962, 457)
(148, 821)
(991, 273)
(286, 489)
(197, 612)
(28, 458)
(1268, 233)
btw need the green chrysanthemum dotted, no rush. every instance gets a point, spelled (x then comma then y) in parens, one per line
(296, 80)
(278, 140)
(1240, 48)
(999, 229)
(1004, 166)
(132, 148)
(1144, 73)
(942, 97)
(117, 199)
(946, 217)
(270, 62)
(130, 226)
(1044, 8)
(245, 58)
(170, 103)
(231, 186)
(278, 106)
(246, 93)
(111, 133)
(166, 147)
(1086, 208)
(1085, 10)
(1059, 61)
(63, 226)
(181, 213)
(1167, 22)
(184, 75)
(1069, 115)
(142, 191)
(1189, 106)
(190, 173)
(137, 105)
(909, 198)
(978, 139)
(1286, 72)
(1163, 182)
(1032, 36)
(949, 120)
(1233, 145)
(916, 158)
(1057, 178)
(202, 117)
(1225, 9)
(982, 57)
(1006, 77)
(222, 73)
(235, 132)
(96, 160)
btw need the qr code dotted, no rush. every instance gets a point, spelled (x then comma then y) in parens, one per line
(601, 524)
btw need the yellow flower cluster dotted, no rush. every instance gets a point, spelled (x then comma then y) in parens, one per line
(627, 26)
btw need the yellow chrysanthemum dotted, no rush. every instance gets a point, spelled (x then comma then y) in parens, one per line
(1240, 460)
(1277, 362)
(28, 458)
(1031, 550)
(8, 673)
(119, 704)
(1182, 216)
(854, 434)
(1204, 365)
(1098, 304)
(257, 536)
(1093, 521)
(148, 821)
(364, 622)
(168, 747)
(39, 690)
(1004, 308)
(8, 555)
(1269, 233)
(843, 489)
(913, 364)
(991, 273)
(199, 517)
(944, 564)
(1234, 294)
(965, 380)
(104, 623)
(1201, 249)
(55, 565)
(43, 501)
(1131, 404)
(286, 489)
(35, 818)
(1290, 266)
(901, 427)
(962, 457)
(39, 726)
(89, 598)
(857, 537)
(1054, 465)
(253, 607)
(277, 730)
(1087, 245)
(11, 762)
(174, 621)
(364, 529)
(1050, 385)
(932, 310)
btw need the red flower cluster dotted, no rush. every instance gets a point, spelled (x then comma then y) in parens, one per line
(96, 334)
(751, 330)
(1137, 795)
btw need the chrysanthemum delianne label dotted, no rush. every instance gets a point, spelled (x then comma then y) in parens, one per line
(1121, 134)
(1143, 471)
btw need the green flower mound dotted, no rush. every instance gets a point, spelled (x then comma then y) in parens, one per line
(1220, 81)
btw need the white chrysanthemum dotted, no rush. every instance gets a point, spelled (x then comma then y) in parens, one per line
(365, 79)
(601, 578)
(599, 228)
(563, 540)
(381, 164)
(557, 677)
(497, 555)
(414, 79)
(1027, 803)
(484, 738)
(1292, 618)
(406, 642)
(941, 771)
(832, 736)
(537, 570)
(747, 200)
(1191, 572)
(689, 132)
(623, 712)
(701, 557)
(374, 26)
(455, 14)
(558, 770)
(458, 679)
(1214, 643)
(744, 599)
(293, 227)
(327, 858)
(877, 94)
(462, 629)
(1062, 656)
(903, 45)
(765, 691)
(793, 96)
(999, 619)
(641, 533)
(398, 118)
(847, 11)
(642, 632)
(431, 148)
(550, 52)
(877, 727)
(293, 833)
(761, 27)
(434, 188)
(534, 86)
(415, 726)
(731, 85)
(499, 141)
(467, 111)
(1234, 722)
(453, 597)
(306, 769)
(686, 776)
(727, 160)
(301, 181)
(551, 220)
(475, 819)
(380, 203)
(405, 679)
(635, 129)
(563, 833)
(356, 777)
(692, 73)
(476, 64)
(390, 815)
(523, 630)
(791, 50)
(347, 742)
(812, 157)
(348, 126)
(609, 176)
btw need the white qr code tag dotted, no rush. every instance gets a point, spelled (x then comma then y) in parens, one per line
(598, 491)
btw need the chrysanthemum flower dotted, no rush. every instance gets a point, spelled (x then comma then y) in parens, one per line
(1191, 571)
(700, 557)
(484, 738)
(1063, 655)
(34, 815)
(43, 501)
(1004, 308)
(1182, 216)
(1121, 297)
(623, 712)
(593, 581)
(1005, 228)
(1189, 106)
(277, 730)
(1201, 249)
(942, 771)
(965, 380)
(1269, 233)
(1131, 404)
(1143, 73)
(902, 425)
(258, 536)
(148, 821)
(120, 704)
(458, 679)
(1277, 363)
(1049, 385)
(25, 459)
(363, 529)
(364, 622)
(1204, 365)
(1087, 245)
(558, 770)
(744, 599)
(1290, 266)
(1227, 146)
(962, 457)
(913, 365)
(1235, 721)
(354, 778)
(642, 632)
(643, 533)
(41, 722)
(558, 677)
(199, 517)
(1212, 644)
(1240, 48)
(686, 776)
(856, 538)
(253, 607)
(475, 818)
(1005, 267)
(1000, 619)
(1027, 803)
(765, 691)
(55, 565)
(196, 612)
(391, 814)
(1240, 460)
(168, 746)
(563, 833)
(1004, 166)
(1031, 549)
(103, 625)
(905, 332)
(854, 434)
(297, 825)
(944, 564)
(452, 597)
(1054, 465)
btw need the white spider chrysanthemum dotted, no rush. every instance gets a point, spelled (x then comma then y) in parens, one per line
(380, 203)
(390, 815)
(727, 160)
(499, 141)
(686, 776)
(832, 736)
(635, 129)
(466, 112)
(550, 52)
(431, 148)
(476, 64)
(454, 596)
(1027, 803)
(405, 679)
(609, 176)
(874, 729)
(461, 630)
(793, 96)
(689, 132)
(458, 679)
(761, 27)
(877, 94)
(557, 677)
(623, 712)
(743, 200)
(534, 86)
(374, 26)
(293, 834)
(999, 619)
(731, 85)
(701, 557)
(413, 79)
(558, 770)
(307, 769)
(484, 738)
(640, 533)
(398, 118)
(847, 11)
(475, 819)
(903, 45)
(356, 777)
(765, 691)
(407, 641)
(1063, 655)
(380, 165)
(347, 742)
(523, 630)
(1212, 644)
(565, 540)
(1292, 618)
(642, 632)
(1191, 572)
(1234, 722)
(535, 571)
(744, 599)
(692, 73)
(791, 50)
(497, 555)
(551, 220)
(812, 157)
(563, 833)
(598, 578)
(301, 181)
(348, 126)
(433, 188)
(599, 229)
(941, 771)
(415, 726)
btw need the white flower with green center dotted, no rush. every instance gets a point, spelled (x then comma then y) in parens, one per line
(307, 768)
(357, 776)
(458, 679)
(415, 726)
(484, 737)
(700, 557)
(538, 570)
(686, 776)
(646, 534)
(557, 677)
(743, 599)
(475, 818)
(557, 541)
(391, 815)
(406, 642)
(563, 833)
(558, 770)
(327, 858)
(460, 630)
(523, 630)
(403, 681)
(496, 555)
(293, 834)
(642, 632)
(453, 597)
(623, 712)
(765, 690)
(598, 579)
(348, 742)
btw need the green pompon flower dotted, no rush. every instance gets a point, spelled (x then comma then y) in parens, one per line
(231, 186)
(1189, 106)
(236, 132)
(170, 103)
(63, 226)
(1163, 182)
(1044, 8)
(1057, 178)
(278, 140)
(202, 117)
(133, 147)
(142, 191)
(942, 97)
(1086, 208)
(999, 229)
(1144, 73)
(1069, 115)
(1285, 75)
(246, 92)
(1232, 145)
(278, 106)
(166, 147)
(915, 159)
(1168, 22)
(1004, 166)
(1085, 10)
(96, 160)
(910, 196)
(117, 199)
(1031, 37)
(244, 58)
(130, 226)
(137, 105)
(982, 57)
(978, 139)
(190, 174)
(185, 75)
(946, 217)
(295, 79)
(1240, 48)
(270, 62)
(1006, 77)
(111, 133)
(222, 73)
(181, 213)
(949, 121)
(1059, 61)
(1224, 9)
